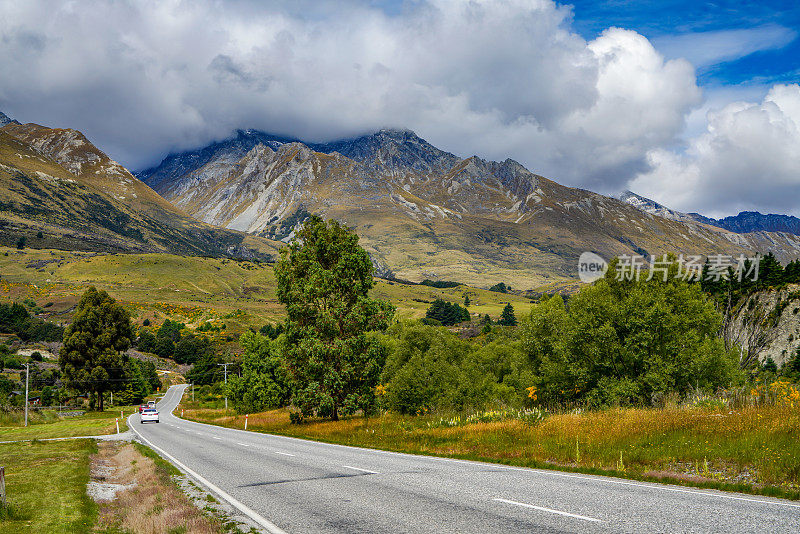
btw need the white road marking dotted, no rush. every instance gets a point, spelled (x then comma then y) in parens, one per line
(215, 437)
(283, 453)
(359, 469)
(550, 510)
(272, 528)
(242, 444)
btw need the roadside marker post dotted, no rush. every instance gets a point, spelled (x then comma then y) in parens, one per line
(181, 412)
(245, 420)
(116, 420)
(3, 485)
(27, 372)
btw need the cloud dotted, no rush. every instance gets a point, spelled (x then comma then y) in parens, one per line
(488, 77)
(706, 49)
(747, 159)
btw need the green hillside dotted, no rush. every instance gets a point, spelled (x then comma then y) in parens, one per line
(238, 294)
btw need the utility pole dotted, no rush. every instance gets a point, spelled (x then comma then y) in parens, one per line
(225, 366)
(27, 372)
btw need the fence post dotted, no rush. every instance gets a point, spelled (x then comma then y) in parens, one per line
(3, 484)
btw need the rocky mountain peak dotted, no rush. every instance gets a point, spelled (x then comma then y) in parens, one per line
(5, 119)
(393, 150)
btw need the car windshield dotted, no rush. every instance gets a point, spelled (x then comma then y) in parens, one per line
(150, 411)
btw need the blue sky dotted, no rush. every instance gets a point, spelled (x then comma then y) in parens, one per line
(756, 42)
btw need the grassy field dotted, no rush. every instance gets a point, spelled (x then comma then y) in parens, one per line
(89, 424)
(239, 294)
(753, 450)
(46, 487)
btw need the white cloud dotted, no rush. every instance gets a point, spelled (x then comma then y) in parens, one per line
(494, 78)
(748, 159)
(705, 49)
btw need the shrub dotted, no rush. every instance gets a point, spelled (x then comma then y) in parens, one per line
(447, 313)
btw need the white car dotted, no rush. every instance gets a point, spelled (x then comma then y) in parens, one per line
(149, 415)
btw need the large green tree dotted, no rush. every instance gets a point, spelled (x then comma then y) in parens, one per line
(323, 280)
(92, 355)
(627, 342)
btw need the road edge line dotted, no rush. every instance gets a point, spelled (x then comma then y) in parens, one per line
(271, 527)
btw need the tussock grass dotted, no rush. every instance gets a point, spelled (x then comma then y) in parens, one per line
(154, 505)
(754, 449)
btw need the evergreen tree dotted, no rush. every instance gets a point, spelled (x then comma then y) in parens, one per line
(507, 318)
(466, 301)
(91, 357)
(324, 277)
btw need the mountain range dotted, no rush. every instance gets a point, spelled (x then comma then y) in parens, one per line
(58, 190)
(419, 211)
(422, 212)
(744, 222)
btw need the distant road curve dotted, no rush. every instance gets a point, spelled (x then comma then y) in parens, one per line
(293, 485)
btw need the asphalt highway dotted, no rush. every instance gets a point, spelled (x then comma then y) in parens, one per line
(293, 485)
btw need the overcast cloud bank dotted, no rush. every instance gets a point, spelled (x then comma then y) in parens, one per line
(493, 78)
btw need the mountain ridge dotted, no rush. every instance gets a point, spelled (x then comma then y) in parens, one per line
(58, 185)
(422, 212)
(742, 223)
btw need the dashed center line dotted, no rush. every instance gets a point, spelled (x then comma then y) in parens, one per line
(359, 469)
(242, 444)
(284, 453)
(215, 437)
(550, 510)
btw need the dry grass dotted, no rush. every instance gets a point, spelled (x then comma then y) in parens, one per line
(753, 449)
(154, 505)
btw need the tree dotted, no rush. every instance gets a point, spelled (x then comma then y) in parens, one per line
(146, 342)
(500, 288)
(507, 318)
(466, 301)
(207, 370)
(263, 382)
(164, 347)
(447, 313)
(21, 243)
(323, 280)
(91, 358)
(190, 348)
(624, 342)
(171, 330)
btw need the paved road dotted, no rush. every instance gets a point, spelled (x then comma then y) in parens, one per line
(296, 486)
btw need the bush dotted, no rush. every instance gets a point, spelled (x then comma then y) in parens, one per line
(36, 356)
(164, 347)
(500, 288)
(621, 343)
(146, 341)
(263, 383)
(429, 369)
(447, 313)
(439, 284)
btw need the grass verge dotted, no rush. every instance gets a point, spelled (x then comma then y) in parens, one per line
(89, 424)
(754, 450)
(148, 500)
(46, 487)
